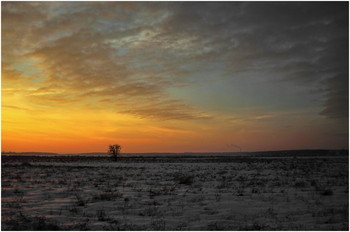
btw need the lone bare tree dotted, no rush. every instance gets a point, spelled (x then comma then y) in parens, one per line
(114, 150)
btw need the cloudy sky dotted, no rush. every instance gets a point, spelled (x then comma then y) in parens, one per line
(174, 76)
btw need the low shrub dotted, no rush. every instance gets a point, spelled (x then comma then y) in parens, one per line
(184, 179)
(101, 215)
(327, 192)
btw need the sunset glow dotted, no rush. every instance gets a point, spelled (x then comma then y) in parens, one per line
(173, 76)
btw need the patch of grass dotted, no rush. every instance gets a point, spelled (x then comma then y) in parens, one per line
(255, 190)
(25, 223)
(327, 192)
(300, 184)
(151, 211)
(107, 196)
(158, 224)
(80, 200)
(185, 179)
(101, 215)
(26, 164)
(254, 227)
(217, 196)
(215, 226)
(73, 209)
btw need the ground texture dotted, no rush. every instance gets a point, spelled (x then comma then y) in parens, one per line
(208, 193)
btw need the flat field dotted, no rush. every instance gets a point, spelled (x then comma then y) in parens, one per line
(175, 193)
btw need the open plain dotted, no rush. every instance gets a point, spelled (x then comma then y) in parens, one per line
(175, 193)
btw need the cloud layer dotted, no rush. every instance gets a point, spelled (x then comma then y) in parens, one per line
(126, 51)
(203, 62)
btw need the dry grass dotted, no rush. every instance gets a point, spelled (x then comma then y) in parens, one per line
(260, 194)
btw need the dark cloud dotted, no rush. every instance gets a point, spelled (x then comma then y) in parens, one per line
(306, 43)
(10, 74)
(167, 110)
(132, 52)
(337, 103)
(130, 89)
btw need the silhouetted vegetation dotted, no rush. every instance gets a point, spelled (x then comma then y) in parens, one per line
(114, 150)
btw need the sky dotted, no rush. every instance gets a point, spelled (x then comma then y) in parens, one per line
(174, 76)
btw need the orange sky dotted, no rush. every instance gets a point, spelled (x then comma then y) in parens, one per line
(173, 77)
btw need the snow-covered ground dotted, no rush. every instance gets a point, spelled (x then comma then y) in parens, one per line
(252, 194)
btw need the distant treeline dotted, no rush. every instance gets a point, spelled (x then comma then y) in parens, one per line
(28, 153)
(280, 153)
(315, 152)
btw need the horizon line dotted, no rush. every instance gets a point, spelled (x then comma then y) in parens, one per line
(185, 152)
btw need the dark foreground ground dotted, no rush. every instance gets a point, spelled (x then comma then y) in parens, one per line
(261, 191)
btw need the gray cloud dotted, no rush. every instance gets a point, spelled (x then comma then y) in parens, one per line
(305, 43)
(167, 110)
(337, 103)
(131, 52)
